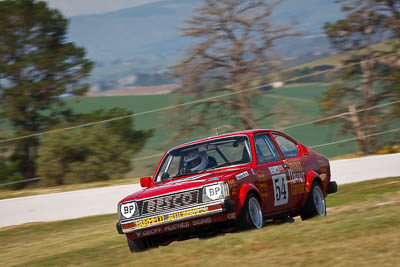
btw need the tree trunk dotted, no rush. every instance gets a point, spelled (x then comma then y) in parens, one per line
(358, 130)
(246, 116)
(25, 154)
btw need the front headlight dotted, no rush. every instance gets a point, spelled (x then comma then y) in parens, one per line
(215, 191)
(119, 211)
(127, 210)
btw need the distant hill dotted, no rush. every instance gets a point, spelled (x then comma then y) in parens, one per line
(146, 38)
(131, 32)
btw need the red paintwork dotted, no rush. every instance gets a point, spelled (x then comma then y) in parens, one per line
(145, 181)
(259, 181)
(244, 190)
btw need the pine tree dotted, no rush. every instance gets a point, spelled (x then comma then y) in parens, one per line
(370, 35)
(37, 66)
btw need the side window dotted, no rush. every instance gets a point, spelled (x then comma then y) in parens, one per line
(265, 149)
(288, 147)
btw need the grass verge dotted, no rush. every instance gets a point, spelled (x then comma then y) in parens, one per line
(362, 228)
(31, 191)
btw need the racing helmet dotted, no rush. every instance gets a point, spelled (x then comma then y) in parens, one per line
(195, 160)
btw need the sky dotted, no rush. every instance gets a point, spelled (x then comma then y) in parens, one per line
(85, 7)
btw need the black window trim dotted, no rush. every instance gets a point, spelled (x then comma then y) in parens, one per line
(273, 140)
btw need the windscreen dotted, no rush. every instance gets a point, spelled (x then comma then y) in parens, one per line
(204, 156)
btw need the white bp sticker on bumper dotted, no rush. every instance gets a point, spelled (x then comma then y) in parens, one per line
(128, 209)
(281, 193)
(213, 192)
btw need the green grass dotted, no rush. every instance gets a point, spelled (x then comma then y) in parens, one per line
(297, 104)
(39, 190)
(365, 191)
(361, 229)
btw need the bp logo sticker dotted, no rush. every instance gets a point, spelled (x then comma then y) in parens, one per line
(128, 209)
(214, 192)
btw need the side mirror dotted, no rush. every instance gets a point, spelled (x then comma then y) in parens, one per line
(145, 181)
(304, 149)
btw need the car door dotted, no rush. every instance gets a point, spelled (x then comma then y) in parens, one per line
(272, 176)
(293, 162)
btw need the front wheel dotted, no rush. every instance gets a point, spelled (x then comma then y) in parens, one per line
(137, 245)
(251, 216)
(315, 205)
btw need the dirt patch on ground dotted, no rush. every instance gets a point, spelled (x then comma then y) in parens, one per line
(393, 182)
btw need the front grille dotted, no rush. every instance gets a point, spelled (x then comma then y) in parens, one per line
(174, 201)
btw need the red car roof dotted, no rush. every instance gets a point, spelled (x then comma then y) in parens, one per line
(245, 132)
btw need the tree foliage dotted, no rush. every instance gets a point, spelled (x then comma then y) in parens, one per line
(369, 81)
(235, 47)
(9, 171)
(37, 65)
(99, 152)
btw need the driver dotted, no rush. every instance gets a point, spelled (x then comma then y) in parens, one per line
(196, 161)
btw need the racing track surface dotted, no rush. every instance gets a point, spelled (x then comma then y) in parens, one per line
(97, 201)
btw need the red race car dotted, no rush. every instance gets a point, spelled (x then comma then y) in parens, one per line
(223, 183)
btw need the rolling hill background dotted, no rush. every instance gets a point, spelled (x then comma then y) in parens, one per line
(146, 39)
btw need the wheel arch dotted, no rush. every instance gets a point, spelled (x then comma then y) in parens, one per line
(245, 190)
(310, 178)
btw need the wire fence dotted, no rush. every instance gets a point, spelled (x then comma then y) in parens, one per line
(337, 116)
(159, 155)
(355, 138)
(20, 181)
(313, 146)
(222, 96)
(193, 102)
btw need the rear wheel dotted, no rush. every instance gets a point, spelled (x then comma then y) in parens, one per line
(251, 216)
(137, 245)
(315, 205)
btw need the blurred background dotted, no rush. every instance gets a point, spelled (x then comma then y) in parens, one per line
(93, 92)
(173, 71)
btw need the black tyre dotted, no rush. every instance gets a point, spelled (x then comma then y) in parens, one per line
(315, 205)
(251, 216)
(137, 245)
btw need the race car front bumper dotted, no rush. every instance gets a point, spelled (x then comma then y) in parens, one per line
(226, 205)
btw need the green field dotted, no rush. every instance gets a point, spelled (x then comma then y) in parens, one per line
(297, 104)
(361, 229)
